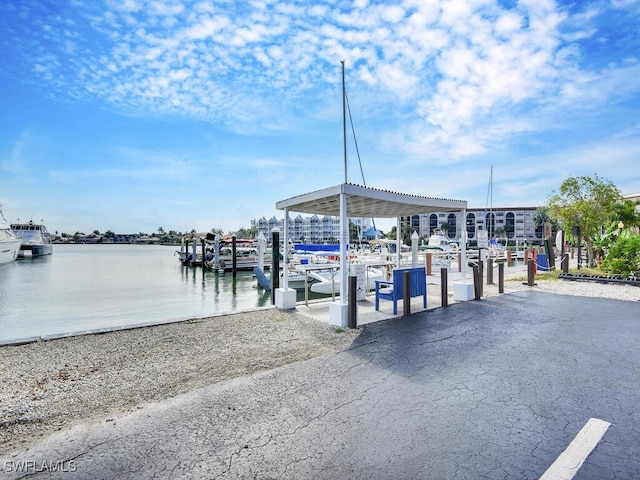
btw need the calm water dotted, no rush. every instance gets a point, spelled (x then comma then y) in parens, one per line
(85, 287)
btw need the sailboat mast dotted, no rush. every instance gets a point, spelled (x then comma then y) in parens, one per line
(344, 123)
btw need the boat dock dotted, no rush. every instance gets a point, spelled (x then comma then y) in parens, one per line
(366, 312)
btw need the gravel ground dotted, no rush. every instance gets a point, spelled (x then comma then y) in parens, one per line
(50, 385)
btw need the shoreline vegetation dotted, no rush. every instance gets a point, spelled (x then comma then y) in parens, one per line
(52, 385)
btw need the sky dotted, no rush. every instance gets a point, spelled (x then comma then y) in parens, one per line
(131, 115)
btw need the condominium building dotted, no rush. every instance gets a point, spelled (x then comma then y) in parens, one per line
(311, 229)
(513, 223)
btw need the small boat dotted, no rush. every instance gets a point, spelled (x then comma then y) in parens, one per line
(191, 254)
(295, 280)
(9, 242)
(329, 280)
(35, 238)
(439, 241)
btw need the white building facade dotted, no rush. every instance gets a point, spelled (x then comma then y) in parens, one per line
(512, 223)
(310, 229)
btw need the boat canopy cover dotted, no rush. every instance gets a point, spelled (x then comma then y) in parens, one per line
(367, 202)
(332, 249)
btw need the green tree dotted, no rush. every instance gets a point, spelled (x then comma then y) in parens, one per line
(588, 202)
(217, 231)
(627, 213)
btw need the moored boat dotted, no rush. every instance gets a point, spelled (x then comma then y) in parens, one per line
(330, 280)
(246, 258)
(9, 242)
(34, 237)
(440, 242)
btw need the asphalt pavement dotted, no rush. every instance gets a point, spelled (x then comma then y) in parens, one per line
(490, 389)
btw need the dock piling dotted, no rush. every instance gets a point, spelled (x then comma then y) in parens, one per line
(444, 282)
(353, 302)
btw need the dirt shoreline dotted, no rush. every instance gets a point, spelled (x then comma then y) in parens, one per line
(50, 385)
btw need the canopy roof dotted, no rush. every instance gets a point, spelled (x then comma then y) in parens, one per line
(367, 202)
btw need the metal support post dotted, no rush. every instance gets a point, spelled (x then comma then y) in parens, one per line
(353, 302)
(444, 296)
(477, 281)
(406, 293)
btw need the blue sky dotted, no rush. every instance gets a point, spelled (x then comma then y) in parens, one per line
(131, 115)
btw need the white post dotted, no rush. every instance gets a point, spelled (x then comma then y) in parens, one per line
(285, 298)
(338, 314)
(414, 249)
(463, 251)
(463, 291)
(398, 243)
(262, 245)
(285, 255)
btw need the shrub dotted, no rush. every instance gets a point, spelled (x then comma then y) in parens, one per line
(623, 257)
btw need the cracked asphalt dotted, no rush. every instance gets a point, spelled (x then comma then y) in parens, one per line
(491, 389)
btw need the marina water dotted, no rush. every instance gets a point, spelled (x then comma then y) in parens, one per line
(89, 287)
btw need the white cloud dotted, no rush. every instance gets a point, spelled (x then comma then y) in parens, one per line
(450, 72)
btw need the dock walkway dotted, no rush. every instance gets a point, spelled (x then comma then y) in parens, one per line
(366, 312)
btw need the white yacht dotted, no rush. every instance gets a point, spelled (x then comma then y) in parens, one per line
(34, 237)
(439, 241)
(9, 243)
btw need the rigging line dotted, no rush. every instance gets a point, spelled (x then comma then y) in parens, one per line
(355, 142)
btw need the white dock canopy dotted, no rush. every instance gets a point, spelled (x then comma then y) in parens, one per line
(367, 202)
(349, 200)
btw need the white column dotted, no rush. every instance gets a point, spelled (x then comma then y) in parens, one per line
(262, 245)
(398, 242)
(414, 249)
(285, 297)
(285, 256)
(462, 290)
(338, 311)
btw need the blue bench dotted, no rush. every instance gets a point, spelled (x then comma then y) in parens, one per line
(394, 290)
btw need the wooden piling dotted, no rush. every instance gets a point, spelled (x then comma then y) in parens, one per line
(530, 272)
(234, 262)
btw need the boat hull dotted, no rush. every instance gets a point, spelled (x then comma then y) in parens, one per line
(9, 251)
(328, 287)
(36, 250)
